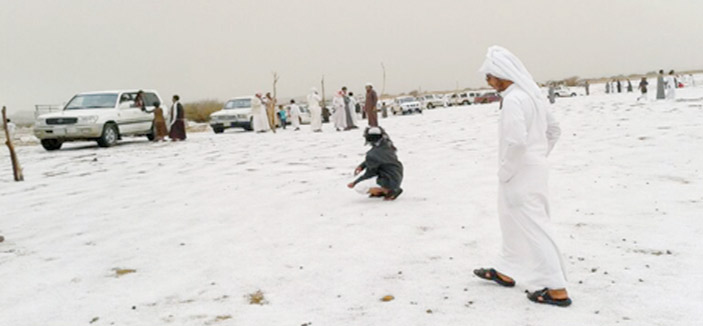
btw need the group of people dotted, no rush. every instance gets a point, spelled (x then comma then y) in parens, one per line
(666, 86)
(175, 129)
(616, 86)
(344, 116)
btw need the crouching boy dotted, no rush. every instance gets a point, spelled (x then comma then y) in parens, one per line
(383, 172)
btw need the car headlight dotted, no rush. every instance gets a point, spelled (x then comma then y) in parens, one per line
(88, 119)
(40, 122)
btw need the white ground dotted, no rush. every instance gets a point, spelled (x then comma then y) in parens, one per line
(206, 222)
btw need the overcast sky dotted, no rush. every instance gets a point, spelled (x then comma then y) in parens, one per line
(220, 49)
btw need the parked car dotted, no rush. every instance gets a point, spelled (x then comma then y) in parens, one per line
(563, 91)
(236, 113)
(431, 101)
(104, 117)
(488, 97)
(465, 98)
(305, 115)
(406, 105)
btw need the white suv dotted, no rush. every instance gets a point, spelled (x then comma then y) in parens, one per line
(431, 101)
(235, 114)
(406, 105)
(98, 116)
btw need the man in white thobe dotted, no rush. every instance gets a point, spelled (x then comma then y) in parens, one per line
(339, 117)
(295, 115)
(527, 133)
(315, 110)
(670, 82)
(259, 119)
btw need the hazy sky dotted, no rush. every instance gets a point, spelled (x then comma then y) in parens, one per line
(219, 49)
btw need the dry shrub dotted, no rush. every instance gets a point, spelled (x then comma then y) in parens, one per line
(257, 298)
(200, 111)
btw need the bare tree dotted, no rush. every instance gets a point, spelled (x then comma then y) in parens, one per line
(275, 81)
(325, 112)
(16, 169)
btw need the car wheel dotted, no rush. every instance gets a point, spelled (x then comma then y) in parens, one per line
(218, 130)
(51, 144)
(109, 136)
(150, 136)
(430, 106)
(250, 127)
(573, 94)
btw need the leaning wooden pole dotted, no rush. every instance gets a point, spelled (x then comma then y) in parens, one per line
(16, 169)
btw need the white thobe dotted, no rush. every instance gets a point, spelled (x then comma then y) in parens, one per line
(295, 115)
(670, 82)
(527, 133)
(315, 111)
(339, 117)
(260, 120)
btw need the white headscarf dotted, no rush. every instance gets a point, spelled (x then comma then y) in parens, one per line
(505, 65)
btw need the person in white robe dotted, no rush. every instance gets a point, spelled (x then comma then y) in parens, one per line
(315, 110)
(258, 113)
(339, 117)
(670, 83)
(353, 103)
(294, 115)
(527, 132)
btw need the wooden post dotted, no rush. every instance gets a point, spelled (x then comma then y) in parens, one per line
(383, 89)
(16, 169)
(325, 112)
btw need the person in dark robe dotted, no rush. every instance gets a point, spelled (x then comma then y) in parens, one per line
(370, 107)
(643, 89)
(178, 127)
(660, 85)
(607, 87)
(587, 86)
(619, 86)
(139, 100)
(159, 123)
(383, 171)
(629, 86)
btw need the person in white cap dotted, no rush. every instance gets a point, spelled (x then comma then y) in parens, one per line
(528, 132)
(370, 107)
(315, 110)
(383, 171)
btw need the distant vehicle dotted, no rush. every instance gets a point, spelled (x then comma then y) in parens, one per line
(305, 115)
(235, 114)
(485, 98)
(563, 91)
(431, 101)
(104, 117)
(406, 105)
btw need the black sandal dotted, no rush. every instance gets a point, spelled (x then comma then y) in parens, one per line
(542, 296)
(492, 276)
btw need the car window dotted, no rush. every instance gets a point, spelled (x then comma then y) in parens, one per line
(150, 98)
(92, 101)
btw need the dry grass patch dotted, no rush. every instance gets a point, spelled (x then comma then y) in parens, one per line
(200, 111)
(257, 298)
(123, 271)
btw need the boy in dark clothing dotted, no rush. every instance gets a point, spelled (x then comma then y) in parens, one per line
(384, 173)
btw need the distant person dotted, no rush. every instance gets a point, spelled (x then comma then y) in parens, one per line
(177, 114)
(660, 86)
(527, 134)
(355, 108)
(282, 116)
(383, 172)
(370, 107)
(259, 118)
(339, 118)
(160, 130)
(619, 86)
(587, 86)
(294, 115)
(550, 93)
(11, 127)
(139, 100)
(348, 109)
(315, 110)
(670, 82)
(607, 87)
(643, 89)
(270, 104)
(629, 86)
(692, 79)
